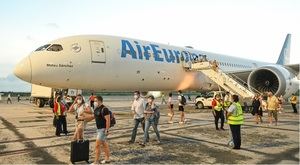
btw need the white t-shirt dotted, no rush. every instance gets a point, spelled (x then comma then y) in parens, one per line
(80, 110)
(138, 106)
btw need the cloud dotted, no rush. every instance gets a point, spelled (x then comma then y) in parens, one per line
(52, 25)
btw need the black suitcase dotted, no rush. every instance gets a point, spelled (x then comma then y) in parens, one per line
(80, 151)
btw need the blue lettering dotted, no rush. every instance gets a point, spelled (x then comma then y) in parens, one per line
(146, 52)
(156, 53)
(177, 55)
(127, 49)
(140, 53)
(171, 57)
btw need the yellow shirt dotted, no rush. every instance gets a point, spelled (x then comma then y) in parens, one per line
(272, 103)
(294, 100)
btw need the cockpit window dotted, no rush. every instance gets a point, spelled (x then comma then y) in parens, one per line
(43, 47)
(55, 48)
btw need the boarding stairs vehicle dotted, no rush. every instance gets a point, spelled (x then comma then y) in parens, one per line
(225, 81)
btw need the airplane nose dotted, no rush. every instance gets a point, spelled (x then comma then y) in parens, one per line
(23, 70)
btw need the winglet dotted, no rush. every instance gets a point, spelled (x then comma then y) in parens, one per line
(284, 57)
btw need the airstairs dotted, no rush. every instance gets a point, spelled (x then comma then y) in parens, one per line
(225, 81)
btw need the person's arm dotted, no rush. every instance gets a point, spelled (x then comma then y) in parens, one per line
(86, 117)
(71, 109)
(88, 109)
(107, 119)
(55, 108)
(230, 110)
(133, 107)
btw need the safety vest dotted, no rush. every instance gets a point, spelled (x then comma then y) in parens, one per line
(227, 101)
(58, 112)
(237, 117)
(219, 106)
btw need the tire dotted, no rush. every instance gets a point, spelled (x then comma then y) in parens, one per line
(199, 105)
(40, 103)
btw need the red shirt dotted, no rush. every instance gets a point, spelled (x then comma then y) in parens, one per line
(214, 103)
(92, 98)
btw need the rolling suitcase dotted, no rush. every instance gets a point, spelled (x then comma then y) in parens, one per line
(80, 151)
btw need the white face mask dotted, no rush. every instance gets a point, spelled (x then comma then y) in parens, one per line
(79, 101)
(96, 104)
(136, 96)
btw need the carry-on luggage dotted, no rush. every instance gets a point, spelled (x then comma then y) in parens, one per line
(80, 151)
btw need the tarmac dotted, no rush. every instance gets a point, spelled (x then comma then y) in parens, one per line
(27, 136)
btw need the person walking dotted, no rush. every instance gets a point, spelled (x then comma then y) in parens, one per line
(272, 105)
(19, 97)
(151, 113)
(60, 111)
(293, 101)
(256, 104)
(163, 99)
(217, 107)
(102, 116)
(235, 120)
(137, 108)
(9, 99)
(171, 108)
(280, 103)
(181, 103)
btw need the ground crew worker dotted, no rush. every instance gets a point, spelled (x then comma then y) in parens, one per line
(294, 102)
(217, 107)
(235, 120)
(59, 111)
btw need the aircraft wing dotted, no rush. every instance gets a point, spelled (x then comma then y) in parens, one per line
(295, 67)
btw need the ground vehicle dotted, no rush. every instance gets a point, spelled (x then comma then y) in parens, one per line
(205, 99)
(41, 95)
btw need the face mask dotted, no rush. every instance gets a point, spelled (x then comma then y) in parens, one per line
(79, 101)
(136, 96)
(96, 104)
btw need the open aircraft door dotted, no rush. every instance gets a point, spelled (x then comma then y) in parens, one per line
(98, 51)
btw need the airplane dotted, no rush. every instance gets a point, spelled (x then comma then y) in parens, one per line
(111, 63)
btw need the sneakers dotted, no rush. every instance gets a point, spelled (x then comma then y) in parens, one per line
(105, 161)
(130, 142)
(181, 122)
(158, 141)
(170, 122)
(142, 144)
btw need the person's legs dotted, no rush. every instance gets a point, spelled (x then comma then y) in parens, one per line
(222, 119)
(270, 116)
(106, 150)
(217, 119)
(275, 115)
(154, 126)
(146, 133)
(134, 130)
(235, 135)
(238, 134)
(97, 151)
(58, 126)
(294, 108)
(64, 123)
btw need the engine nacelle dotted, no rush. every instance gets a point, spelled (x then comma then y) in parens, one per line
(274, 78)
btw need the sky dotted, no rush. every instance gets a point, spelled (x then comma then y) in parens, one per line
(253, 29)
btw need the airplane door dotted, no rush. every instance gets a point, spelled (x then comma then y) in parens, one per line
(98, 51)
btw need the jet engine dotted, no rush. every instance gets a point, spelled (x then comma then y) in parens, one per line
(273, 78)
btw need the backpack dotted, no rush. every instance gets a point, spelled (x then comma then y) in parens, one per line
(183, 100)
(112, 117)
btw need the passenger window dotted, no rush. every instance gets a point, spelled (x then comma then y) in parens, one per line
(55, 48)
(43, 47)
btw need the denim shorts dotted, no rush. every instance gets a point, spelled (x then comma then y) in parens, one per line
(101, 134)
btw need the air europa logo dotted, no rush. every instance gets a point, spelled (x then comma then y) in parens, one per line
(143, 52)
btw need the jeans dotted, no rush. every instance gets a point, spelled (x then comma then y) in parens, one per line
(61, 125)
(136, 124)
(236, 135)
(150, 122)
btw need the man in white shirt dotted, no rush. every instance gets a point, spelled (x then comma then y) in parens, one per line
(137, 108)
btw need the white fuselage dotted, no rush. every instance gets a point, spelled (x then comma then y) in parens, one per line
(106, 63)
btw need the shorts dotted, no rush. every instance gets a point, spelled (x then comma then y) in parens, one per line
(273, 113)
(180, 108)
(101, 134)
